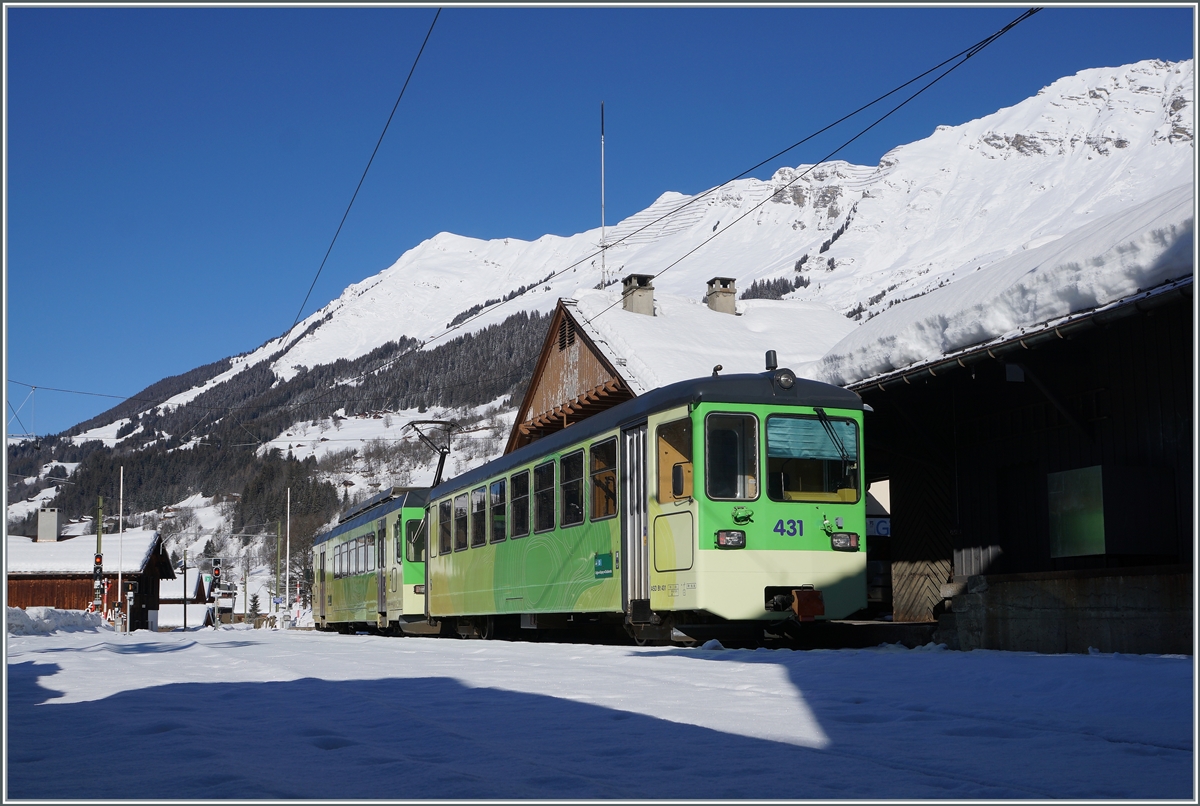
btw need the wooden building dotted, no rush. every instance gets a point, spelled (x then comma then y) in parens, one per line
(976, 445)
(59, 573)
(602, 349)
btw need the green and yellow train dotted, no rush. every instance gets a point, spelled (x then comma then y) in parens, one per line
(716, 507)
(369, 570)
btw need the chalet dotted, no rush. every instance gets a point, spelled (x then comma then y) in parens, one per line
(51, 570)
(602, 349)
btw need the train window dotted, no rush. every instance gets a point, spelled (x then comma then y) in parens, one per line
(543, 497)
(460, 522)
(498, 512)
(570, 479)
(337, 562)
(674, 450)
(396, 552)
(444, 527)
(360, 555)
(731, 466)
(369, 552)
(520, 503)
(416, 541)
(812, 459)
(479, 517)
(604, 480)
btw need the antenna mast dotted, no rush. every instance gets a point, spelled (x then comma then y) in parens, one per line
(603, 267)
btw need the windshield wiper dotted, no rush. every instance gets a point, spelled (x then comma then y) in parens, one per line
(833, 437)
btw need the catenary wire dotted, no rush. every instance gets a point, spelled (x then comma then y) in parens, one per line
(364, 173)
(961, 57)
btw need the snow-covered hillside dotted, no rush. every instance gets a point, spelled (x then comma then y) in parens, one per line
(1087, 146)
(968, 208)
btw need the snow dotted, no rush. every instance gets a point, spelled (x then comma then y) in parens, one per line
(1015, 195)
(46, 620)
(689, 338)
(1113, 257)
(74, 556)
(171, 615)
(356, 717)
(102, 433)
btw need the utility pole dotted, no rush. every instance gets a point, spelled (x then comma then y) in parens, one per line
(121, 548)
(603, 268)
(98, 568)
(287, 569)
(185, 590)
(278, 539)
(246, 585)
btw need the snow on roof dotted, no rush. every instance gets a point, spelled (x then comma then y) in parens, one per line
(1116, 256)
(74, 555)
(171, 615)
(685, 338)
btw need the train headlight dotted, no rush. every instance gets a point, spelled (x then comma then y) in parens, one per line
(844, 541)
(731, 539)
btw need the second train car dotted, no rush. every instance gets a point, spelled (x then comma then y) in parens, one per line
(369, 570)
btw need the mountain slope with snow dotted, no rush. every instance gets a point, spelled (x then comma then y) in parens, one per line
(967, 196)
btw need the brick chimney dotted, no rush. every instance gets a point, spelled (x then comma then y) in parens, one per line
(637, 294)
(722, 295)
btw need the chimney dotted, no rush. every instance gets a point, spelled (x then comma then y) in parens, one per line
(49, 525)
(722, 295)
(637, 295)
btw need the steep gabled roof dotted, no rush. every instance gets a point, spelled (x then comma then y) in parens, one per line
(597, 354)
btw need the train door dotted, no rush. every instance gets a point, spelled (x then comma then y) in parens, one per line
(381, 569)
(321, 584)
(635, 580)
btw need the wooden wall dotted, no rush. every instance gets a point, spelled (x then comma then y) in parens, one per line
(968, 452)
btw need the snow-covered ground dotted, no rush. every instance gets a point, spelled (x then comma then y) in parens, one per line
(242, 713)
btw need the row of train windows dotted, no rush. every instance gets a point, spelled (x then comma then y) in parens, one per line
(359, 556)
(355, 556)
(502, 509)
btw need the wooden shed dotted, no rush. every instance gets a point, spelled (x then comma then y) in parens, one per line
(59, 573)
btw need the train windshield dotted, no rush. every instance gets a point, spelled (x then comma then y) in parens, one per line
(812, 459)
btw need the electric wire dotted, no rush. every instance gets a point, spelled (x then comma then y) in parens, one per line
(965, 55)
(961, 57)
(364, 173)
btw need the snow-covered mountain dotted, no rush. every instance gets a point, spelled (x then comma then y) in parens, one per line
(1086, 146)
(1026, 180)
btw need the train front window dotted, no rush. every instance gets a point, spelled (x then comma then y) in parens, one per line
(812, 459)
(415, 529)
(731, 458)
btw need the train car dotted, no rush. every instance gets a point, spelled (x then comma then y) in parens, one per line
(369, 570)
(714, 507)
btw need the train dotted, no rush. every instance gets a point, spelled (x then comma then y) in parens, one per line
(729, 507)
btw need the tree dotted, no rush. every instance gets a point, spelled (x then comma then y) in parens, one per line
(254, 611)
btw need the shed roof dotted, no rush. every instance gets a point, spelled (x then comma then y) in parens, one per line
(74, 555)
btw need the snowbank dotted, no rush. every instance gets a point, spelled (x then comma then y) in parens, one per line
(1114, 257)
(46, 620)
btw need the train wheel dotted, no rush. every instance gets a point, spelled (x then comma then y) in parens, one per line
(487, 628)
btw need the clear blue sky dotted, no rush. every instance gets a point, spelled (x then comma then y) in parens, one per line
(175, 175)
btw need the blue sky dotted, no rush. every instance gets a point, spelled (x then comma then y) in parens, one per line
(174, 176)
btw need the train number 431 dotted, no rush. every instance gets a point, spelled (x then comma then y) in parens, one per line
(790, 528)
